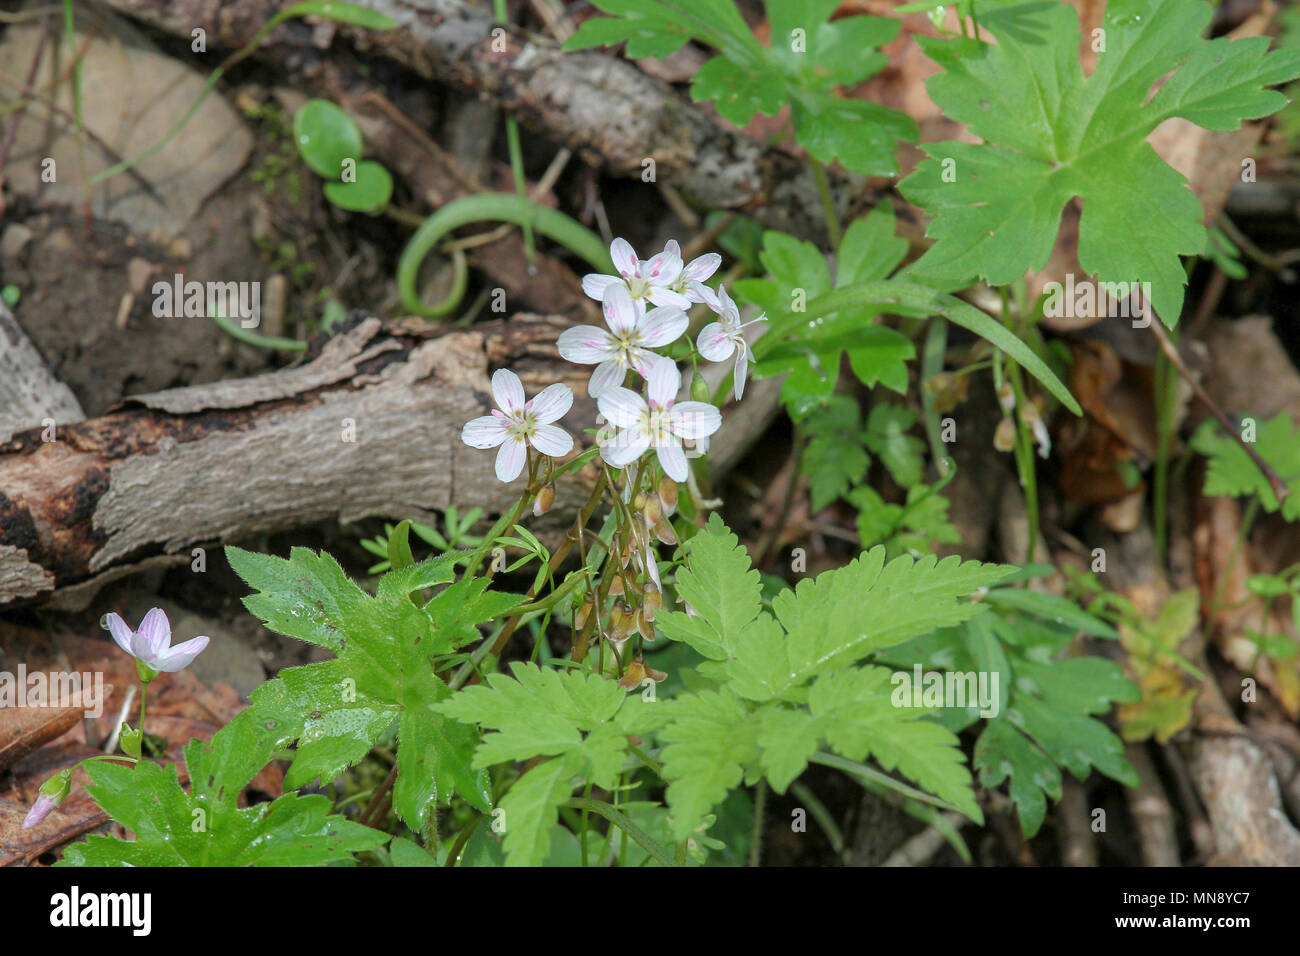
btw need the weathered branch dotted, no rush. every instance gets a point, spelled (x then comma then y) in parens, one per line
(369, 427)
(612, 113)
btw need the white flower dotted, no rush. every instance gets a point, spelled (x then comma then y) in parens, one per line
(694, 273)
(518, 421)
(659, 424)
(152, 643)
(650, 280)
(627, 343)
(718, 340)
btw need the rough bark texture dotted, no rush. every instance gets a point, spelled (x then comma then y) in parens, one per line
(605, 107)
(369, 427)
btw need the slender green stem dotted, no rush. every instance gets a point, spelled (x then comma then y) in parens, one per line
(756, 838)
(620, 820)
(900, 293)
(864, 772)
(932, 358)
(828, 202)
(493, 207)
(817, 810)
(237, 331)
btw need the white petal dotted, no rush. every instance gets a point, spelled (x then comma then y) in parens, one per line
(180, 656)
(157, 630)
(672, 247)
(663, 383)
(741, 372)
(701, 268)
(622, 407)
(662, 269)
(672, 458)
(621, 313)
(594, 284)
(714, 343)
(624, 256)
(662, 325)
(708, 296)
(625, 447)
(608, 374)
(586, 345)
(662, 296)
(510, 460)
(120, 630)
(552, 440)
(486, 432)
(694, 419)
(552, 403)
(508, 391)
(729, 312)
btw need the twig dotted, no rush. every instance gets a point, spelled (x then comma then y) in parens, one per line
(14, 120)
(371, 815)
(1078, 845)
(921, 848)
(1275, 481)
(1153, 817)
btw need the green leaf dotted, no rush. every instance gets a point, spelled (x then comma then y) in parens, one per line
(326, 138)
(341, 12)
(901, 453)
(1051, 135)
(1003, 753)
(384, 672)
(720, 586)
(810, 56)
(1052, 608)
(368, 192)
(834, 458)
(708, 745)
(207, 827)
(1230, 471)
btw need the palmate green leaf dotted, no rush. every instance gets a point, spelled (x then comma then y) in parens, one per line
(854, 712)
(206, 827)
(1003, 753)
(809, 57)
(720, 585)
(384, 672)
(1230, 470)
(1051, 135)
(887, 436)
(786, 681)
(835, 458)
(711, 742)
(573, 717)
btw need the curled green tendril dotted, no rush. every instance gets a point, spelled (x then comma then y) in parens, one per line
(492, 207)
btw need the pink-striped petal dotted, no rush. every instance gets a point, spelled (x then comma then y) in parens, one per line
(694, 419)
(594, 284)
(180, 656)
(625, 447)
(586, 345)
(552, 440)
(662, 269)
(661, 326)
(667, 297)
(622, 407)
(741, 372)
(157, 630)
(120, 630)
(702, 267)
(714, 342)
(508, 391)
(624, 256)
(510, 460)
(608, 375)
(621, 313)
(486, 432)
(663, 383)
(672, 458)
(552, 403)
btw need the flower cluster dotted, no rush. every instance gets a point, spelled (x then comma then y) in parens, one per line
(644, 310)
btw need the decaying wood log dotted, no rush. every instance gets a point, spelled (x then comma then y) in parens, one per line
(604, 107)
(369, 427)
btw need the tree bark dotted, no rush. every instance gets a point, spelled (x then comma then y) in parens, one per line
(602, 106)
(369, 427)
